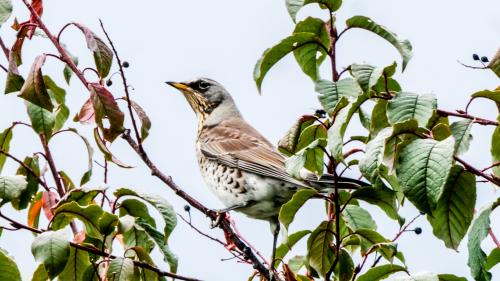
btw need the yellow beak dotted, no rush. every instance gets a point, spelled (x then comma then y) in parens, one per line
(180, 86)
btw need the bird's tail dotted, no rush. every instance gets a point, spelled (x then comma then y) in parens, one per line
(327, 181)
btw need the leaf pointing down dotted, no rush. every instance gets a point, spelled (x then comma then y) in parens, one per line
(33, 89)
(103, 56)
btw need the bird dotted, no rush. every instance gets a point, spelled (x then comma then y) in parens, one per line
(243, 169)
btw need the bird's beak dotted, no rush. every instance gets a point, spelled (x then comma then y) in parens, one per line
(180, 86)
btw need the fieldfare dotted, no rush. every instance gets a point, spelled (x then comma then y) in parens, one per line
(242, 168)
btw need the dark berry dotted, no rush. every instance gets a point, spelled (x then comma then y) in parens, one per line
(422, 213)
(484, 59)
(109, 82)
(418, 230)
(187, 208)
(475, 57)
(125, 64)
(320, 113)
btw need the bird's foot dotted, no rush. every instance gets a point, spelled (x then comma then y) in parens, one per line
(220, 215)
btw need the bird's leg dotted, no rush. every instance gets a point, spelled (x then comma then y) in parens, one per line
(220, 212)
(275, 229)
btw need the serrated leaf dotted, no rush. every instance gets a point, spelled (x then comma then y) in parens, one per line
(405, 106)
(423, 168)
(103, 55)
(5, 138)
(274, 54)
(97, 222)
(366, 75)
(290, 208)
(161, 241)
(121, 269)
(330, 92)
(105, 107)
(162, 205)
(404, 47)
(11, 187)
(356, 218)
(78, 262)
(454, 211)
(31, 189)
(293, 6)
(320, 252)
(33, 89)
(478, 231)
(143, 117)
(42, 120)
(8, 267)
(380, 272)
(461, 132)
(307, 56)
(52, 249)
(287, 245)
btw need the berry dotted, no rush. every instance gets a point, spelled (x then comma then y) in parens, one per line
(475, 57)
(109, 82)
(187, 208)
(320, 113)
(125, 64)
(484, 59)
(418, 230)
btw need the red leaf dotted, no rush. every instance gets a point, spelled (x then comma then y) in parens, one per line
(49, 199)
(34, 212)
(86, 115)
(38, 7)
(105, 107)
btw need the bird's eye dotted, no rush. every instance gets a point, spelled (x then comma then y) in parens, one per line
(202, 85)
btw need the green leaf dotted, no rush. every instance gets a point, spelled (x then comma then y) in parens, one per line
(493, 259)
(121, 269)
(138, 237)
(290, 208)
(78, 262)
(296, 263)
(478, 231)
(33, 89)
(307, 55)
(5, 10)
(461, 132)
(287, 245)
(57, 93)
(493, 95)
(383, 197)
(405, 106)
(67, 72)
(5, 138)
(380, 272)
(422, 276)
(369, 238)
(494, 64)
(82, 195)
(136, 209)
(288, 143)
(366, 75)
(495, 149)
(345, 266)
(31, 189)
(274, 54)
(337, 130)
(310, 157)
(454, 211)
(161, 241)
(404, 47)
(40, 274)
(52, 249)
(97, 222)
(320, 253)
(103, 56)
(379, 117)
(105, 107)
(450, 277)
(143, 256)
(330, 93)
(107, 153)
(143, 117)
(14, 82)
(423, 168)
(42, 120)
(162, 205)
(356, 218)
(8, 267)
(293, 6)
(11, 187)
(90, 154)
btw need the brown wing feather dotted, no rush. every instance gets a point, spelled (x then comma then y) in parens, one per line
(235, 143)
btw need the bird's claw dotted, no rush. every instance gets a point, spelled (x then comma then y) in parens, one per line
(220, 214)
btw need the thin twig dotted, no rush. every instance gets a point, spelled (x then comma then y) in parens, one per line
(201, 232)
(477, 172)
(494, 238)
(475, 119)
(27, 168)
(491, 166)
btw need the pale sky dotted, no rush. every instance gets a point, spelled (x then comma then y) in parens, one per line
(222, 39)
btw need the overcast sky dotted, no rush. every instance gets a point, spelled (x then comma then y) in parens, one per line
(222, 39)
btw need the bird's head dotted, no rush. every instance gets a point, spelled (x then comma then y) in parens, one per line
(207, 98)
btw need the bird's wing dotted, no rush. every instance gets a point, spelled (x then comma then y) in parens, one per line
(235, 143)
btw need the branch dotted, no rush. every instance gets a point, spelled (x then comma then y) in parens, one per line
(475, 119)
(98, 252)
(30, 171)
(477, 172)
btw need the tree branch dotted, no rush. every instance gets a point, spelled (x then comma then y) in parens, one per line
(477, 172)
(475, 119)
